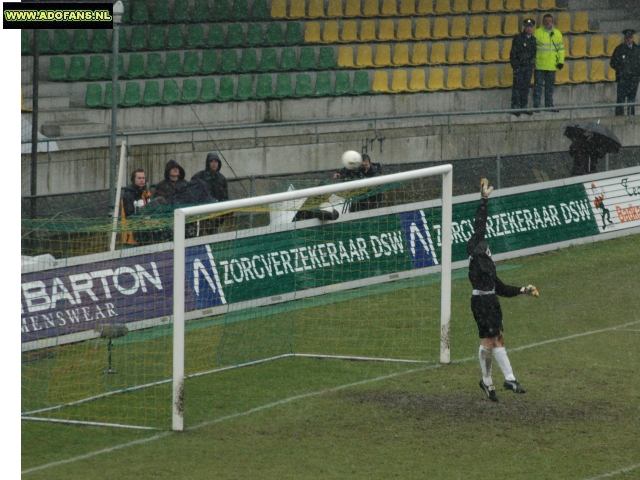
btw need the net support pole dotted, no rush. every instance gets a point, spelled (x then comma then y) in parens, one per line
(445, 286)
(178, 320)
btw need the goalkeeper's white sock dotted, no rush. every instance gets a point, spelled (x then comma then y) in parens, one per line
(486, 362)
(503, 361)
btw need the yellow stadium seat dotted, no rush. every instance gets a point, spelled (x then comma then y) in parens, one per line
(443, 7)
(436, 79)
(316, 9)
(611, 74)
(612, 42)
(418, 80)
(279, 9)
(579, 47)
(512, 5)
(380, 81)
(494, 26)
(371, 8)
(529, 5)
(490, 79)
(597, 71)
(404, 29)
(454, 79)
(456, 53)
(511, 25)
(345, 57)
(401, 54)
(368, 31)
(407, 7)
(297, 9)
(438, 53)
(495, 6)
(330, 32)
(312, 32)
(579, 73)
(476, 26)
(478, 6)
(399, 81)
(334, 9)
(472, 78)
(459, 27)
(419, 54)
(440, 28)
(567, 47)
(491, 51)
(386, 32)
(364, 58)
(596, 46)
(581, 23)
(562, 76)
(352, 8)
(506, 80)
(506, 50)
(425, 7)
(383, 56)
(349, 31)
(423, 29)
(460, 6)
(563, 22)
(547, 5)
(389, 8)
(474, 52)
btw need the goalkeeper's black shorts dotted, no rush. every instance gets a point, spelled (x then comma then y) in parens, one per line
(488, 314)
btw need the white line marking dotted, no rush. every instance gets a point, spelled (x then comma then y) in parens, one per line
(617, 472)
(322, 392)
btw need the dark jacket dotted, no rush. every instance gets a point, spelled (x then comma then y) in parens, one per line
(523, 51)
(132, 194)
(218, 186)
(346, 174)
(374, 170)
(585, 154)
(166, 188)
(626, 61)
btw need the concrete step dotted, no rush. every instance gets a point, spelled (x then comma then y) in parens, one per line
(68, 129)
(47, 103)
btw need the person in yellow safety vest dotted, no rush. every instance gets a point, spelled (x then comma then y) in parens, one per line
(549, 58)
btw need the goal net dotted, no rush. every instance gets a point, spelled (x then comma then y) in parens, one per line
(153, 336)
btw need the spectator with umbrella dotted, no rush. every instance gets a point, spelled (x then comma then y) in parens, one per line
(590, 142)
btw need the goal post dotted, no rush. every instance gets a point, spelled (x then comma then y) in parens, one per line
(180, 244)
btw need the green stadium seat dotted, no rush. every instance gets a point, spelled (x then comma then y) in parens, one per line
(191, 65)
(293, 34)
(303, 85)
(161, 11)
(227, 89)
(181, 11)
(123, 41)
(307, 58)
(323, 84)
(254, 35)
(136, 66)
(44, 42)
(97, 68)
(172, 64)
(195, 36)
(93, 97)
(245, 87)
(260, 10)
(120, 67)
(176, 37)
(264, 87)
(139, 14)
(229, 61)
(269, 60)
(154, 66)
(108, 93)
(156, 38)
(288, 60)
(61, 41)
(274, 34)
(99, 41)
(326, 60)
(132, 94)
(151, 94)
(170, 92)
(220, 13)
(57, 69)
(80, 41)
(240, 12)
(284, 86)
(343, 84)
(25, 42)
(126, 16)
(361, 83)
(189, 91)
(216, 36)
(235, 35)
(201, 11)
(249, 61)
(209, 62)
(138, 39)
(208, 90)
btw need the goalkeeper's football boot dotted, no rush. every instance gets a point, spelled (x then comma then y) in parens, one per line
(514, 386)
(490, 391)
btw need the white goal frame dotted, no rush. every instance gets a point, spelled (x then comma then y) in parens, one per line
(179, 259)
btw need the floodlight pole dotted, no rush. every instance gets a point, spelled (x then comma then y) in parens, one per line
(118, 11)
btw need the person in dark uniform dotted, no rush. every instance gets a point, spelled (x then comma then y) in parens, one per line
(522, 59)
(626, 62)
(485, 304)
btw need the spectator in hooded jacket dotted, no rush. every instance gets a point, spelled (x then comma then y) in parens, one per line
(134, 198)
(217, 182)
(173, 176)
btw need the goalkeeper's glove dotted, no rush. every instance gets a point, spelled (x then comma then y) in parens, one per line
(530, 290)
(485, 189)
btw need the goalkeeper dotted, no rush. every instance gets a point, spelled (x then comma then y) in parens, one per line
(485, 304)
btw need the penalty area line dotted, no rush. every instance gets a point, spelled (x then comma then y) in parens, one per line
(617, 472)
(323, 392)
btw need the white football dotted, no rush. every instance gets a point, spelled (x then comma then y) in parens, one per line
(351, 160)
